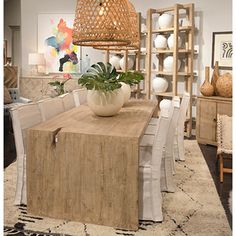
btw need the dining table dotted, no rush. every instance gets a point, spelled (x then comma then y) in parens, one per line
(83, 167)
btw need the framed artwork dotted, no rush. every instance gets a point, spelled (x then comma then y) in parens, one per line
(222, 50)
(55, 41)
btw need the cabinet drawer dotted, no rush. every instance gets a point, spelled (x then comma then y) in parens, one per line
(224, 108)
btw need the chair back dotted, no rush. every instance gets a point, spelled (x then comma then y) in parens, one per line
(183, 110)
(80, 96)
(51, 107)
(68, 101)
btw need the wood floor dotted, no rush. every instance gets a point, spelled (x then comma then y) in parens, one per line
(209, 153)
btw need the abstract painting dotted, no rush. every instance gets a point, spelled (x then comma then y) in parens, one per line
(55, 41)
(222, 50)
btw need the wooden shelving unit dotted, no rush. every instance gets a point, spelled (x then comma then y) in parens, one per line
(185, 53)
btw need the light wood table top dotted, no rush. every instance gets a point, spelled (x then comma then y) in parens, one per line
(90, 174)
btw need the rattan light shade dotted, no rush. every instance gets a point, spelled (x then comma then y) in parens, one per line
(135, 33)
(102, 23)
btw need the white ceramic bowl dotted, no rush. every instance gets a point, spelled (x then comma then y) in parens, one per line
(160, 42)
(130, 63)
(170, 41)
(165, 104)
(159, 84)
(115, 61)
(165, 21)
(169, 62)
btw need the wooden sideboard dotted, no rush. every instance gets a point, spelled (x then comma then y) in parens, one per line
(207, 110)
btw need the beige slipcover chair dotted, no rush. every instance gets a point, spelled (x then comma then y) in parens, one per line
(151, 150)
(68, 101)
(23, 117)
(80, 96)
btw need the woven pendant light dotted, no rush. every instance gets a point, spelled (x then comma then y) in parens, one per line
(102, 23)
(135, 32)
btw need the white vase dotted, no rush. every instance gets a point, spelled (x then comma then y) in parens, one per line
(169, 62)
(160, 42)
(130, 63)
(115, 61)
(126, 91)
(159, 84)
(165, 21)
(105, 103)
(170, 41)
(165, 104)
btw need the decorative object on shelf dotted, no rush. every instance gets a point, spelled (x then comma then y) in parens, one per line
(160, 42)
(215, 77)
(165, 21)
(165, 104)
(130, 63)
(143, 27)
(115, 61)
(105, 96)
(169, 63)
(35, 60)
(207, 89)
(222, 50)
(224, 85)
(159, 84)
(170, 41)
(58, 86)
(126, 91)
(102, 23)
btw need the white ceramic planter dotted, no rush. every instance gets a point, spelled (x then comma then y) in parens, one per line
(165, 21)
(160, 42)
(130, 63)
(170, 41)
(115, 61)
(169, 62)
(159, 84)
(126, 91)
(165, 104)
(105, 103)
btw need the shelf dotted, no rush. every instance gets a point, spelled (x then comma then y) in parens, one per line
(181, 28)
(171, 51)
(170, 73)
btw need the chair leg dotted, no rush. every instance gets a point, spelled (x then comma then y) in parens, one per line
(221, 168)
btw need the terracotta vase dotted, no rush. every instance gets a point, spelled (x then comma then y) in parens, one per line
(215, 77)
(207, 88)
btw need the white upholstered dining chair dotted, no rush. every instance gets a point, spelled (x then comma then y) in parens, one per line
(51, 107)
(23, 117)
(68, 101)
(151, 150)
(80, 96)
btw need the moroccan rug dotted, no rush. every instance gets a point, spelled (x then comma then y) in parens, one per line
(194, 209)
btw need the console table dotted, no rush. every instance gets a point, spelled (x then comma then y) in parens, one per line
(85, 168)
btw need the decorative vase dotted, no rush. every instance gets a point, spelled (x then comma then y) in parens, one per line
(130, 63)
(159, 84)
(115, 61)
(224, 85)
(215, 77)
(160, 42)
(165, 104)
(105, 103)
(169, 62)
(170, 41)
(126, 91)
(165, 21)
(207, 88)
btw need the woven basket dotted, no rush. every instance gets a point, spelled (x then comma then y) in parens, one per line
(102, 23)
(135, 33)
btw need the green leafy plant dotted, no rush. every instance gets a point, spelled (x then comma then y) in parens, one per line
(104, 77)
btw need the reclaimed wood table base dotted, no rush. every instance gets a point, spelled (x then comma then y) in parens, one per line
(84, 168)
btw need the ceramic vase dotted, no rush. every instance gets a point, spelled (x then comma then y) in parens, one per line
(169, 63)
(165, 21)
(159, 84)
(160, 42)
(130, 63)
(215, 77)
(170, 41)
(207, 88)
(126, 91)
(115, 61)
(105, 103)
(224, 85)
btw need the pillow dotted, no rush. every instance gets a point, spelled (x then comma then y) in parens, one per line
(7, 97)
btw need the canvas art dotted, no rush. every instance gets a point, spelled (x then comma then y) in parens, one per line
(55, 41)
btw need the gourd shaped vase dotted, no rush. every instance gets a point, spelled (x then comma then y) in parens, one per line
(207, 88)
(215, 77)
(224, 85)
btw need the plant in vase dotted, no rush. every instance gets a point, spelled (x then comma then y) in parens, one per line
(59, 86)
(105, 94)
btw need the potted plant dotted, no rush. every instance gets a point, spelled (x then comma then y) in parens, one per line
(105, 94)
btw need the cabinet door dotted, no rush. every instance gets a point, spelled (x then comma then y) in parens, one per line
(224, 108)
(206, 121)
